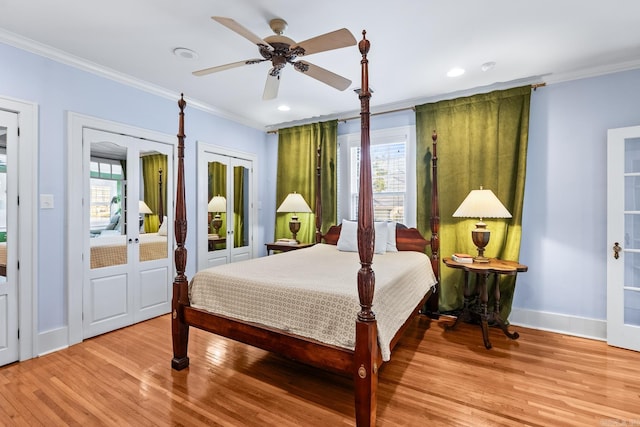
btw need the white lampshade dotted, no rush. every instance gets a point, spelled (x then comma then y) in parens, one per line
(143, 208)
(481, 204)
(294, 202)
(217, 204)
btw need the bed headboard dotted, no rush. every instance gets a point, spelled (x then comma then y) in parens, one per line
(407, 239)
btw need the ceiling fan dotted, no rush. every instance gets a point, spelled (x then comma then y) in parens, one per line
(281, 50)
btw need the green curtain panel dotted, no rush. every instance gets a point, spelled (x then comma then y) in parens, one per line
(150, 178)
(482, 141)
(297, 154)
(217, 187)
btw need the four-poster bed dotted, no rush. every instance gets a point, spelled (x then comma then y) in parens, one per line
(361, 360)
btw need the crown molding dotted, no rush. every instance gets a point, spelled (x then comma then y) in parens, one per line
(66, 58)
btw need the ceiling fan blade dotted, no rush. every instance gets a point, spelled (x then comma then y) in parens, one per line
(323, 75)
(333, 40)
(237, 28)
(271, 87)
(210, 70)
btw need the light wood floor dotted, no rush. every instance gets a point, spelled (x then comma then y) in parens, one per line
(435, 378)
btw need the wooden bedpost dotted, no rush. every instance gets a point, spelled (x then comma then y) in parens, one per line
(179, 329)
(431, 307)
(318, 196)
(366, 350)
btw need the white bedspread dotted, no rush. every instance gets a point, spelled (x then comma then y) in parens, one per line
(313, 292)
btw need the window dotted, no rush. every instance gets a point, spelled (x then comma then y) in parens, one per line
(392, 174)
(105, 191)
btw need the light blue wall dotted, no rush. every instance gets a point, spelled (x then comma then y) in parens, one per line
(58, 89)
(564, 240)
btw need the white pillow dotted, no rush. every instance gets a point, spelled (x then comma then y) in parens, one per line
(162, 231)
(391, 237)
(348, 240)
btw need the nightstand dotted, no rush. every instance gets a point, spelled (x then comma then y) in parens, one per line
(482, 271)
(283, 247)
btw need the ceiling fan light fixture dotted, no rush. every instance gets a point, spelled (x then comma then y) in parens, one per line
(184, 53)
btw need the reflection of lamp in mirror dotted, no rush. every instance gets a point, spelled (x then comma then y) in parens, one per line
(143, 209)
(216, 205)
(295, 203)
(481, 204)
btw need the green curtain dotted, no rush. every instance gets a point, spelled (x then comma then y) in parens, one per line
(238, 206)
(217, 187)
(150, 178)
(482, 141)
(297, 154)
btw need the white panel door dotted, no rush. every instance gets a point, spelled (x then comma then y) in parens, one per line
(623, 232)
(128, 268)
(9, 349)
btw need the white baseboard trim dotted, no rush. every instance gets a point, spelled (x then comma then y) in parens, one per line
(560, 323)
(53, 340)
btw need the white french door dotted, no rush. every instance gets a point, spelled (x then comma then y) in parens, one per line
(226, 212)
(9, 346)
(623, 234)
(128, 271)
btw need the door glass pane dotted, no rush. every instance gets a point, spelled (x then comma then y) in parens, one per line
(3, 204)
(631, 274)
(152, 206)
(107, 194)
(217, 206)
(632, 307)
(632, 155)
(240, 206)
(631, 231)
(632, 193)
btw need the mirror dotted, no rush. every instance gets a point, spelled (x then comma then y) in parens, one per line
(3, 204)
(107, 192)
(217, 206)
(152, 206)
(240, 206)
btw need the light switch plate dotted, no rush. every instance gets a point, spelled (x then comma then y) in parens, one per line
(46, 201)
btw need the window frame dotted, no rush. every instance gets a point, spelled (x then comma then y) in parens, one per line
(406, 134)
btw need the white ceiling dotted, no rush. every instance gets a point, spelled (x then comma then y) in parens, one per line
(413, 45)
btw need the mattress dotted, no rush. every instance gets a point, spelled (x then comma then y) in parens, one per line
(313, 292)
(112, 250)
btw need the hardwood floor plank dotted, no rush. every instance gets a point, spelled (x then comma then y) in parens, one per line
(435, 378)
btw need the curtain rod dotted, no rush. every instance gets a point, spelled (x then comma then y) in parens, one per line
(534, 86)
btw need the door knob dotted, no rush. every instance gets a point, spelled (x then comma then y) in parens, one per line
(616, 250)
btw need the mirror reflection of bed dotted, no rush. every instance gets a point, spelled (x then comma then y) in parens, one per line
(3, 205)
(109, 243)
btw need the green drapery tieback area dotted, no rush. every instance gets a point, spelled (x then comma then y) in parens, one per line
(482, 141)
(297, 154)
(151, 165)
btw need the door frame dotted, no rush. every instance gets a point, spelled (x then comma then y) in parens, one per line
(617, 330)
(28, 176)
(75, 244)
(202, 226)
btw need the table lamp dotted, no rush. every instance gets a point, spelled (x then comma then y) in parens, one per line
(216, 205)
(143, 209)
(295, 203)
(481, 204)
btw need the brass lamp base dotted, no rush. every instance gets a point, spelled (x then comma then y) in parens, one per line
(294, 227)
(480, 237)
(216, 223)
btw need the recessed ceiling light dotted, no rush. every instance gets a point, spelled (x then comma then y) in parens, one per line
(184, 53)
(455, 72)
(284, 108)
(488, 66)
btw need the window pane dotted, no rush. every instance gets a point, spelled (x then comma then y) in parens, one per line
(388, 174)
(102, 192)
